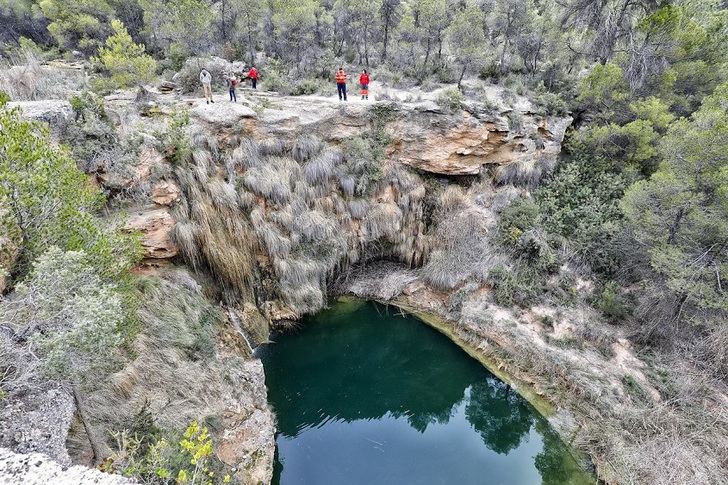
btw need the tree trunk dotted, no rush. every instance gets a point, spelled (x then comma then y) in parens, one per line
(251, 49)
(222, 22)
(386, 39)
(366, 46)
(80, 407)
(460, 79)
(427, 57)
(675, 226)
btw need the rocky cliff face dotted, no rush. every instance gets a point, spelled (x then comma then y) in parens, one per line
(276, 198)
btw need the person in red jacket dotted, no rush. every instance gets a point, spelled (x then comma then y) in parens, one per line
(253, 75)
(364, 84)
(341, 83)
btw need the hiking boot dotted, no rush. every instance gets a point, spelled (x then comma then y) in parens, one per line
(207, 101)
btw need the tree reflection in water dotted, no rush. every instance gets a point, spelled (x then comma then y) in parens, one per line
(345, 384)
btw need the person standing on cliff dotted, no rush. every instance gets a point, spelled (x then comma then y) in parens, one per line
(253, 75)
(364, 84)
(206, 80)
(232, 84)
(341, 83)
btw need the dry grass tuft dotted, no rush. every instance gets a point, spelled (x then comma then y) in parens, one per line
(321, 168)
(463, 251)
(453, 198)
(272, 147)
(526, 172)
(306, 147)
(382, 220)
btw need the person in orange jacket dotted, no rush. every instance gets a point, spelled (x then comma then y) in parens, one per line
(341, 83)
(364, 84)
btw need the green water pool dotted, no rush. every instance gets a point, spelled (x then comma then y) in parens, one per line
(366, 395)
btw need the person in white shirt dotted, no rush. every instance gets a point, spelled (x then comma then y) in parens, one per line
(206, 80)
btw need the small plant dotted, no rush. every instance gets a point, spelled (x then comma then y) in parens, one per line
(174, 140)
(188, 459)
(515, 121)
(612, 303)
(87, 103)
(450, 100)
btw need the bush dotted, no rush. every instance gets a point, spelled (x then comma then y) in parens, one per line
(186, 458)
(518, 217)
(513, 287)
(612, 304)
(174, 141)
(581, 204)
(550, 103)
(450, 100)
(655, 111)
(630, 148)
(306, 86)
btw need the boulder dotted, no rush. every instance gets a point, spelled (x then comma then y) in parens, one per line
(167, 87)
(57, 113)
(459, 148)
(462, 145)
(223, 114)
(38, 469)
(247, 442)
(37, 419)
(156, 226)
(165, 193)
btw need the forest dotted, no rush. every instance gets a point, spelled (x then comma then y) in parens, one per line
(637, 205)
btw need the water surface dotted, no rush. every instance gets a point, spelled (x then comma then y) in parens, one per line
(365, 395)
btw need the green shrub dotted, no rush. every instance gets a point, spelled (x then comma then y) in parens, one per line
(655, 111)
(612, 304)
(178, 458)
(174, 141)
(604, 88)
(450, 100)
(513, 287)
(550, 103)
(581, 204)
(87, 103)
(306, 86)
(518, 217)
